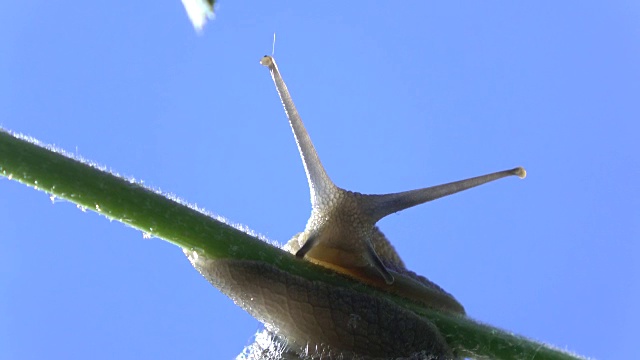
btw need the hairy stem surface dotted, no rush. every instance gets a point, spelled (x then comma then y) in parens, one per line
(131, 203)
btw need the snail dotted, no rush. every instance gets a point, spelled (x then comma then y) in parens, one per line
(313, 317)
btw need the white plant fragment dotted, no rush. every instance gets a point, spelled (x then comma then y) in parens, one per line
(199, 11)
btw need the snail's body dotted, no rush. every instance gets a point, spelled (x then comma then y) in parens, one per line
(406, 283)
(318, 318)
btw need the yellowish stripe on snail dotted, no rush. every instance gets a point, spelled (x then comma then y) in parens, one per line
(341, 235)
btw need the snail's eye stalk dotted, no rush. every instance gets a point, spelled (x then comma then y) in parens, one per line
(320, 185)
(383, 205)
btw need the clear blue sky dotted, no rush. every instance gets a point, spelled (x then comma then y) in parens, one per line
(394, 97)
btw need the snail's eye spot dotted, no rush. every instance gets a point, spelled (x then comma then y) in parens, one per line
(266, 60)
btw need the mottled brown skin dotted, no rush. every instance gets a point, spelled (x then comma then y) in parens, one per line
(341, 235)
(326, 319)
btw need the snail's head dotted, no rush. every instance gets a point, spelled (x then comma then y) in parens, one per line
(341, 232)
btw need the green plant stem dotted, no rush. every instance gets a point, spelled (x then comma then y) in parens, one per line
(133, 204)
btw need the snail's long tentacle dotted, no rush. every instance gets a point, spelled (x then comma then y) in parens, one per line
(320, 185)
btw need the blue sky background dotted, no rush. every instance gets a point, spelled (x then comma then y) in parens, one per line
(394, 97)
